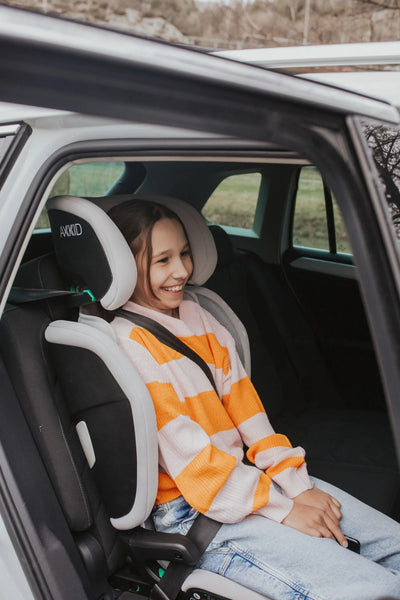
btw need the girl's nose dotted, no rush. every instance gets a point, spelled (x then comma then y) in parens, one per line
(180, 270)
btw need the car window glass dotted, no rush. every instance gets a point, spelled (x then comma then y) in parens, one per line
(317, 221)
(88, 180)
(309, 223)
(233, 203)
(385, 145)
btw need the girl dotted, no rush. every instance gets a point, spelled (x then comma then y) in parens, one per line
(283, 534)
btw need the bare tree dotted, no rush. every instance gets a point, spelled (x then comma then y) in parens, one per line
(385, 145)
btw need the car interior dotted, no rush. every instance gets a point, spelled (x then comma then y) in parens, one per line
(282, 280)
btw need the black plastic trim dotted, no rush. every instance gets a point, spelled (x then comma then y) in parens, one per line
(13, 150)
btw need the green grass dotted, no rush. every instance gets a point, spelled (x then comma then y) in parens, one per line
(89, 180)
(234, 201)
(309, 225)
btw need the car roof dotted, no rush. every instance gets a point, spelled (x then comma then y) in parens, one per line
(15, 112)
(372, 69)
(374, 53)
(180, 65)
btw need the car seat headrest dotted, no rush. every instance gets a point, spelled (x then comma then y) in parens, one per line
(224, 246)
(93, 254)
(91, 251)
(201, 241)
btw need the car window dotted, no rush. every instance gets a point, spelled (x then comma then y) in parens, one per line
(317, 221)
(87, 180)
(234, 201)
(385, 145)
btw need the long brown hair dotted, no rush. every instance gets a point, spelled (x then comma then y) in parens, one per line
(135, 219)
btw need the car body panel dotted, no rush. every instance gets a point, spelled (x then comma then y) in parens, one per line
(12, 578)
(366, 68)
(328, 55)
(21, 33)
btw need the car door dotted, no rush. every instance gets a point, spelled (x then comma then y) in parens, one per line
(319, 267)
(65, 65)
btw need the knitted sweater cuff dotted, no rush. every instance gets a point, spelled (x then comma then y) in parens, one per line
(278, 506)
(294, 481)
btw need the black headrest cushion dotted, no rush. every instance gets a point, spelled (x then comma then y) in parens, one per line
(223, 244)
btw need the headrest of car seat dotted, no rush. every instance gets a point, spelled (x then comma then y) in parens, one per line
(223, 244)
(201, 241)
(91, 251)
(93, 254)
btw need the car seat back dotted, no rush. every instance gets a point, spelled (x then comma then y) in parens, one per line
(288, 371)
(117, 436)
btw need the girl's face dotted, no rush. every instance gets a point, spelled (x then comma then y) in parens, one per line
(171, 267)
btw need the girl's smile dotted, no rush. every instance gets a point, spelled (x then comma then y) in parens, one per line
(170, 268)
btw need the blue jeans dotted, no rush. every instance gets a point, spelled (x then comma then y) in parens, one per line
(285, 564)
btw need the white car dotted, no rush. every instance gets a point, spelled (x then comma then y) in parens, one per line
(371, 68)
(299, 184)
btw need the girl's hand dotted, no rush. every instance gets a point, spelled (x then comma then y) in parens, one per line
(317, 514)
(319, 499)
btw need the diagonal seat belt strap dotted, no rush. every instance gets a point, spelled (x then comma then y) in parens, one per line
(167, 338)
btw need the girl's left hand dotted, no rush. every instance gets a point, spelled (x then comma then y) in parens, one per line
(319, 499)
(329, 506)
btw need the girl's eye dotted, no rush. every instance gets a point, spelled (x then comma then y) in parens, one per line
(163, 260)
(186, 253)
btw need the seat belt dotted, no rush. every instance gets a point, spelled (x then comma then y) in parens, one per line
(204, 529)
(202, 532)
(169, 339)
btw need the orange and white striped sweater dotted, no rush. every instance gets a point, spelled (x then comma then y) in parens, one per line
(200, 435)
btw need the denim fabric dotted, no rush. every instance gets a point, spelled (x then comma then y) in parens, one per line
(285, 564)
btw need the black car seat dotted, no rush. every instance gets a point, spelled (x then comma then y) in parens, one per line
(90, 413)
(349, 448)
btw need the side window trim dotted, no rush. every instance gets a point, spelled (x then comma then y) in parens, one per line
(326, 267)
(330, 219)
(20, 132)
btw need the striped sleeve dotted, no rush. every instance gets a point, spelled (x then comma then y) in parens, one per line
(201, 434)
(269, 451)
(213, 480)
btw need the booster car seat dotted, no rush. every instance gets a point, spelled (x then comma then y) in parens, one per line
(108, 404)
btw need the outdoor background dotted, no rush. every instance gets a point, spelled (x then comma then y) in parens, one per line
(233, 24)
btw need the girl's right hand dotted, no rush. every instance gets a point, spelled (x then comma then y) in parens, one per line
(315, 522)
